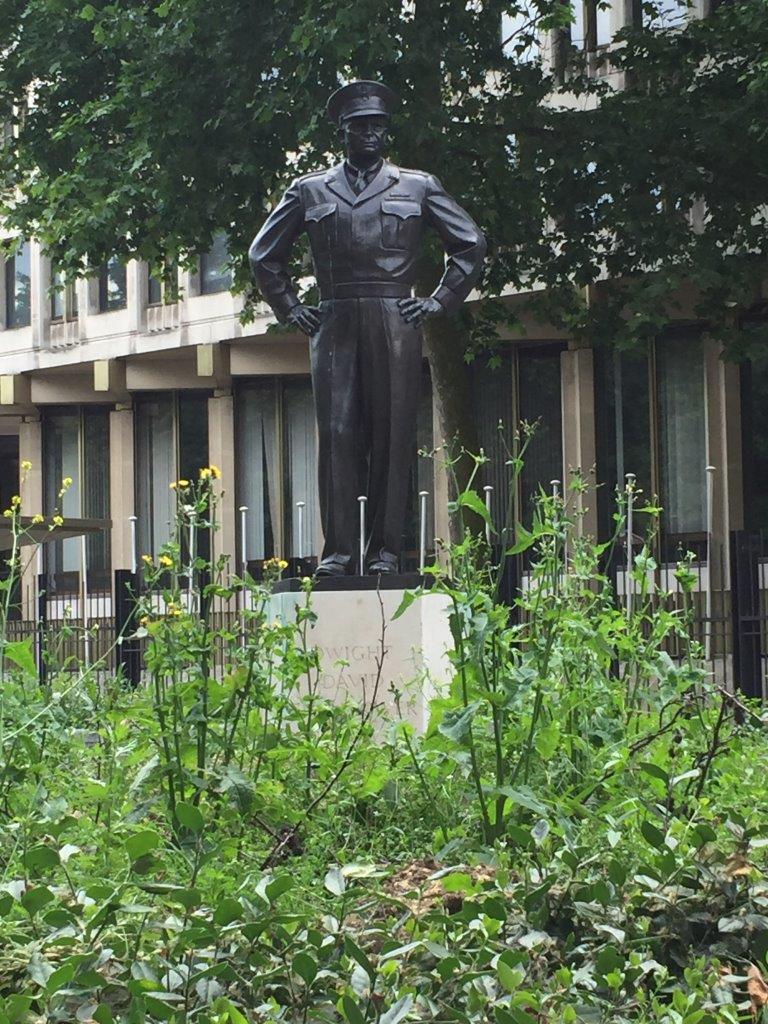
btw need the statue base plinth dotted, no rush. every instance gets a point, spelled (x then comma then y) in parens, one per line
(400, 581)
(348, 634)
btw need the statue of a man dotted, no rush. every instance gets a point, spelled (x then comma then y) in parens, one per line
(365, 219)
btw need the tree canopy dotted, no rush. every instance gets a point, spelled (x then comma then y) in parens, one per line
(156, 124)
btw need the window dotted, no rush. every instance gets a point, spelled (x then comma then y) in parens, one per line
(536, 398)
(664, 13)
(76, 445)
(215, 274)
(63, 297)
(519, 33)
(277, 439)
(17, 288)
(171, 444)
(651, 421)
(682, 433)
(113, 289)
(273, 475)
(154, 288)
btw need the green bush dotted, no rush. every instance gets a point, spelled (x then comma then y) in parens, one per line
(580, 835)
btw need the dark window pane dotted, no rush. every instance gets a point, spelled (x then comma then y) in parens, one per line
(623, 429)
(754, 406)
(257, 466)
(113, 292)
(539, 397)
(494, 418)
(155, 471)
(215, 276)
(17, 288)
(682, 433)
(300, 467)
(58, 296)
(154, 288)
(61, 459)
(95, 503)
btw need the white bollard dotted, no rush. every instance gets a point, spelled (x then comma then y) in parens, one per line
(630, 490)
(710, 470)
(423, 495)
(488, 492)
(84, 599)
(301, 505)
(362, 499)
(134, 551)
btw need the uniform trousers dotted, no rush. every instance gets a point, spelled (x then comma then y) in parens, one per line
(366, 378)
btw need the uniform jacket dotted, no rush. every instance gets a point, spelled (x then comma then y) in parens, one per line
(368, 244)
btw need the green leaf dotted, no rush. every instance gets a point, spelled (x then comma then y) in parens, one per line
(652, 835)
(103, 1015)
(277, 886)
(398, 1011)
(473, 501)
(33, 900)
(356, 953)
(20, 653)
(335, 882)
(547, 740)
(351, 1011)
(40, 858)
(407, 600)
(456, 725)
(523, 797)
(653, 770)
(142, 843)
(60, 978)
(228, 910)
(510, 977)
(190, 817)
(305, 966)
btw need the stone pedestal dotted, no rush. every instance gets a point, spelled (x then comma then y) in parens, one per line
(348, 634)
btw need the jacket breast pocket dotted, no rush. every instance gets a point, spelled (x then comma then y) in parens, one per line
(400, 223)
(321, 225)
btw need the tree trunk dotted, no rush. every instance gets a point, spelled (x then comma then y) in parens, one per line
(446, 342)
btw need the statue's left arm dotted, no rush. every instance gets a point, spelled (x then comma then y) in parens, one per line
(464, 245)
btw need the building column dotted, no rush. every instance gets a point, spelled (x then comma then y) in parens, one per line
(221, 453)
(31, 491)
(579, 452)
(121, 485)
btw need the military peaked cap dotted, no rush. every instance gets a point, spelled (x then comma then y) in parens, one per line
(359, 99)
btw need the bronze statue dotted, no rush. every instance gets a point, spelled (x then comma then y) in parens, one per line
(365, 219)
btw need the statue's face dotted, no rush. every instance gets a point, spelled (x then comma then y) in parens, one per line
(365, 138)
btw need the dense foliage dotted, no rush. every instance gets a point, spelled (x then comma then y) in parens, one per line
(580, 835)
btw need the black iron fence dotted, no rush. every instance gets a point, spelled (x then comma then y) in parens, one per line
(726, 604)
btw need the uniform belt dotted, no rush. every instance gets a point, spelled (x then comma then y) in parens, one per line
(366, 290)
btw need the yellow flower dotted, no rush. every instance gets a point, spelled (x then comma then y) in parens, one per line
(15, 501)
(282, 564)
(183, 483)
(147, 559)
(8, 513)
(26, 465)
(37, 519)
(174, 485)
(205, 474)
(58, 521)
(143, 620)
(165, 560)
(67, 481)
(215, 472)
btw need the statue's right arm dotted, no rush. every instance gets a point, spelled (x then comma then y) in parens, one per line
(271, 250)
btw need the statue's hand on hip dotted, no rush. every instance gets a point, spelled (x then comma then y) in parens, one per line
(416, 311)
(306, 318)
